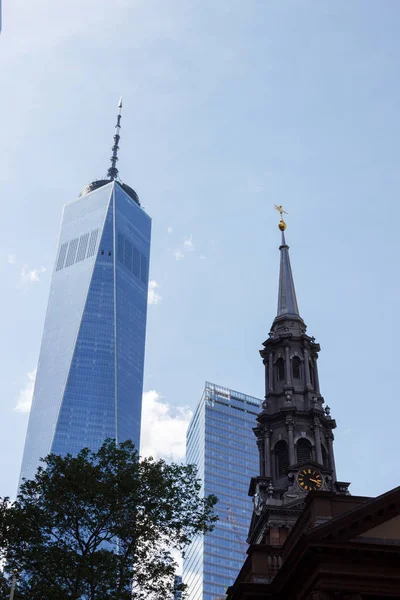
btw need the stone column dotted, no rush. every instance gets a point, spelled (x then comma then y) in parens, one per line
(316, 377)
(307, 367)
(267, 376)
(317, 438)
(330, 438)
(271, 373)
(267, 452)
(260, 445)
(288, 371)
(290, 428)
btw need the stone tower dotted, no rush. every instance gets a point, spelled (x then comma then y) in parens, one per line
(294, 430)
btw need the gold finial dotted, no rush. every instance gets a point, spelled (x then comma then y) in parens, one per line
(282, 224)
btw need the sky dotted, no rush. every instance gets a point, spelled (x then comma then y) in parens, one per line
(229, 107)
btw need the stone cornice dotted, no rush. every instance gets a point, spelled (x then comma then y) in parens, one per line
(270, 418)
(278, 336)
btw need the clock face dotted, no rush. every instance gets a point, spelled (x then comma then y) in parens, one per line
(309, 479)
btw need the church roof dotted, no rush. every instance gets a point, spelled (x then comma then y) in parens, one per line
(340, 542)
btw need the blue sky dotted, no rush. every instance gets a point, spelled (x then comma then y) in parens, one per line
(230, 106)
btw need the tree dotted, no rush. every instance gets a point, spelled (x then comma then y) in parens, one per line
(101, 526)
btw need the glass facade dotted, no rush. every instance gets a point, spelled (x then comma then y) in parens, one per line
(220, 441)
(177, 582)
(90, 373)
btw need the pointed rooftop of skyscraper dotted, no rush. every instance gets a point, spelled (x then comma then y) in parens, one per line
(113, 173)
(287, 301)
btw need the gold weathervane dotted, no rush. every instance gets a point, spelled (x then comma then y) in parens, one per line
(282, 224)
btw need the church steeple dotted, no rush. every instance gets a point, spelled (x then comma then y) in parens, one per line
(287, 301)
(294, 430)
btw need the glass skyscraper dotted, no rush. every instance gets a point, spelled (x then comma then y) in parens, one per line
(220, 441)
(177, 593)
(89, 379)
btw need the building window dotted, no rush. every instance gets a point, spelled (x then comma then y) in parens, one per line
(280, 369)
(281, 458)
(296, 367)
(312, 376)
(304, 452)
(325, 459)
(131, 258)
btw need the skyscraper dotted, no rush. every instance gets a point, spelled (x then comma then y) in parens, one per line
(90, 374)
(220, 441)
(177, 592)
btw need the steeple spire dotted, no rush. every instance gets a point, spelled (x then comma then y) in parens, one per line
(112, 172)
(287, 301)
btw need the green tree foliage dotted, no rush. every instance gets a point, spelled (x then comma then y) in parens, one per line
(101, 526)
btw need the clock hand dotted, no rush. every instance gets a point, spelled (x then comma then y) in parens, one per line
(315, 480)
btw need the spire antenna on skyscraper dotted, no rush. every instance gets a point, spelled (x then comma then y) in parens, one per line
(112, 172)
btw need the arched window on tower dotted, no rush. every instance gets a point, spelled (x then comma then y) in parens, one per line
(312, 376)
(296, 372)
(281, 457)
(304, 450)
(280, 369)
(325, 459)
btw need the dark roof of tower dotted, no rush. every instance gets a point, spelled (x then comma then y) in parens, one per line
(100, 182)
(112, 173)
(287, 301)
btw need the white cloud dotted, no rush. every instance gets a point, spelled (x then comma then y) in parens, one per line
(31, 276)
(188, 243)
(170, 230)
(163, 428)
(153, 297)
(24, 401)
(187, 246)
(178, 254)
(11, 259)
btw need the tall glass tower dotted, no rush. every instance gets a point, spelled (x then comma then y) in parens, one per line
(90, 373)
(220, 441)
